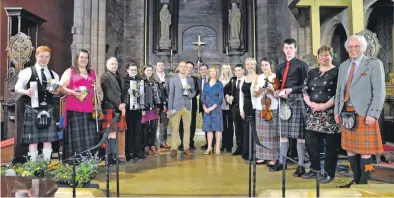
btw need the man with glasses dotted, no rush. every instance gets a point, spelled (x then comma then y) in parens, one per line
(359, 101)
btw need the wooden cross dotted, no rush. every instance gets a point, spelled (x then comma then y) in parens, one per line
(199, 44)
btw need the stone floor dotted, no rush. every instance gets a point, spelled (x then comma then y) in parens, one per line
(212, 175)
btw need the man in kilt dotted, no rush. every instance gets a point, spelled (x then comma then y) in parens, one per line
(360, 94)
(291, 74)
(39, 124)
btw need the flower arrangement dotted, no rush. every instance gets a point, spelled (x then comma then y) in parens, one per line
(86, 170)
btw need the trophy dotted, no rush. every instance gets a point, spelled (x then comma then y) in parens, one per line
(186, 90)
(52, 85)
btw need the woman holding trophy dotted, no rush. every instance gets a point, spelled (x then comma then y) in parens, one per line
(39, 125)
(80, 127)
(150, 116)
(114, 96)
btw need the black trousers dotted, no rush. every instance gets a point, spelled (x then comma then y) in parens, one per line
(239, 129)
(149, 129)
(228, 130)
(314, 143)
(192, 128)
(245, 144)
(133, 132)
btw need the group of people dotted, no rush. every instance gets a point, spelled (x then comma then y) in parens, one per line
(335, 103)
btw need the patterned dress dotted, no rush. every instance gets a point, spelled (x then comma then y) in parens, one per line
(213, 121)
(321, 87)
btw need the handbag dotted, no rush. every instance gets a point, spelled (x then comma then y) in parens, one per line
(348, 119)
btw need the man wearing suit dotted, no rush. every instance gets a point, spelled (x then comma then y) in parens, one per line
(163, 79)
(231, 93)
(361, 93)
(181, 92)
(190, 68)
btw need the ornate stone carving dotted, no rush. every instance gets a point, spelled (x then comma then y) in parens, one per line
(235, 26)
(19, 50)
(374, 46)
(165, 22)
(311, 60)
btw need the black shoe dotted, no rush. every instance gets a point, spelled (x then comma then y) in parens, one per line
(141, 155)
(299, 172)
(277, 167)
(325, 179)
(129, 157)
(192, 147)
(237, 152)
(347, 185)
(180, 147)
(309, 175)
(204, 147)
(227, 151)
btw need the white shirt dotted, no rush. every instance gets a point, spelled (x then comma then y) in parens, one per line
(25, 75)
(183, 80)
(203, 81)
(161, 77)
(256, 102)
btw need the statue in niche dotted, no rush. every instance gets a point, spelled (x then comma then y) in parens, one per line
(235, 25)
(165, 22)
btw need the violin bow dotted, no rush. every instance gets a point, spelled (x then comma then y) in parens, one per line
(95, 104)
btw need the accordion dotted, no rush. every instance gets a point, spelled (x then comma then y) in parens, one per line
(136, 94)
(155, 94)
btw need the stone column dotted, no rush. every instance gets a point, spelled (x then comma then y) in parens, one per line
(89, 31)
(134, 32)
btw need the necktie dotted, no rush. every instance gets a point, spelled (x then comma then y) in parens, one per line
(349, 81)
(285, 75)
(238, 82)
(43, 78)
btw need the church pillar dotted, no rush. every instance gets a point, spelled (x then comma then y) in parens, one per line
(315, 28)
(102, 18)
(356, 16)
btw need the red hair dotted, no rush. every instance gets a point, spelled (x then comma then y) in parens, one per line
(42, 49)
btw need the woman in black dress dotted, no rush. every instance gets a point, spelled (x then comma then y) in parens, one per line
(245, 103)
(319, 91)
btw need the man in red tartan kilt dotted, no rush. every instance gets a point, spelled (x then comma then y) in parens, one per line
(358, 103)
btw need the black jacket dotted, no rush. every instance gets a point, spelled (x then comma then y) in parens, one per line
(113, 93)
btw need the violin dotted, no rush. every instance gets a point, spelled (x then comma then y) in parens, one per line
(266, 112)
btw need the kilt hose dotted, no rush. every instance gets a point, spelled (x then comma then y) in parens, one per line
(268, 135)
(294, 127)
(362, 139)
(108, 116)
(31, 134)
(80, 133)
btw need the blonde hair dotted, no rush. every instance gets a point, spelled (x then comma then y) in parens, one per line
(254, 62)
(230, 73)
(42, 49)
(216, 70)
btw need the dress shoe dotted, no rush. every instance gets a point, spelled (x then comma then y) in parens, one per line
(299, 172)
(204, 147)
(277, 167)
(188, 152)
(347, 185)
(325, 179)
(309, 175)
(164, 146)
(237, 152)
(180, 147)
(173, 153)
(141, 155)
(129, 156)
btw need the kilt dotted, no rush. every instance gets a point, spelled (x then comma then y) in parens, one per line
(268, 134)
(31, 134)
(80, 133)
(362, 139)
(295, 126)
(108, 115)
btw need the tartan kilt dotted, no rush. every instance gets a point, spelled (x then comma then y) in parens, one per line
(108, 115)
(268, 134)
(31, 134)
(294, 127)
(80, 133)
(362, 139)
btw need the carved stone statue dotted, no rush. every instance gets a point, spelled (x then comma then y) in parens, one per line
(235, 25)
(165, 22)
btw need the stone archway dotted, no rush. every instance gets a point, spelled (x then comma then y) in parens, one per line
(338, 40)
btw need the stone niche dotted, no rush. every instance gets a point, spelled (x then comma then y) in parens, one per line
(191, 35)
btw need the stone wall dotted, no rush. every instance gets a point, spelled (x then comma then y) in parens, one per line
(115, 31)
(134, 32)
